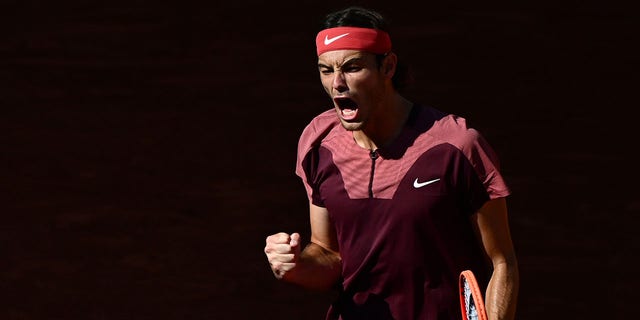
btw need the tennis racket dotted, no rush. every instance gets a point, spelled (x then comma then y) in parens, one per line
(471, 302)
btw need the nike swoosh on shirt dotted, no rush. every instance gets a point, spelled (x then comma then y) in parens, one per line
(328, 41)
(417, 184)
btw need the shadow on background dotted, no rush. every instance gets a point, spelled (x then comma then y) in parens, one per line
(148, 150)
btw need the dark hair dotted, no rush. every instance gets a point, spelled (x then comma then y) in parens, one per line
(355, 16)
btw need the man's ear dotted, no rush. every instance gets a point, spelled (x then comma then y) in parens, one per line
(389, 64)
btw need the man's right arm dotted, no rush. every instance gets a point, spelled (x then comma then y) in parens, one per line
(318, 266)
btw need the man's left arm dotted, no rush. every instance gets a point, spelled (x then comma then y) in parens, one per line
(492, 224)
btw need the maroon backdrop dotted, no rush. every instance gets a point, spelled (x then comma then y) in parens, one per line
(148, 150)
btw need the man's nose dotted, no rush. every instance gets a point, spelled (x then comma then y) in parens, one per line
(339, 83)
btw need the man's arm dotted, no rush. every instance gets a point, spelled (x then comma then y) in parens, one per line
(318, 266)
(492, 225)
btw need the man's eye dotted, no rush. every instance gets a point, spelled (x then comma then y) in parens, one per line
(326, 71)
(352, 69)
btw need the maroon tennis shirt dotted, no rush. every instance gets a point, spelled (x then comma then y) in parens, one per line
(401, 213)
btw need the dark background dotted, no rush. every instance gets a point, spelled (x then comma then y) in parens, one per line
(148, 149)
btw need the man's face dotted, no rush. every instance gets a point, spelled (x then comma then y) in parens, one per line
(355, 83)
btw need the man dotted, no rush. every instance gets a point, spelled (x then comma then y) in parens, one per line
(402, 197)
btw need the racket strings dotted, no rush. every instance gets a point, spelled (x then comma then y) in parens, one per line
(469, 302)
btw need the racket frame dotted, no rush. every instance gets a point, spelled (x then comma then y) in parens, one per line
(476, 294)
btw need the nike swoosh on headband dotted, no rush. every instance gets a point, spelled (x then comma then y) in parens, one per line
(328, 41)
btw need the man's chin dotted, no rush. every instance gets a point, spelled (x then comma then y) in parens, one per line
(351, 126)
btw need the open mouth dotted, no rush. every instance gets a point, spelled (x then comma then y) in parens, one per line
(348, 108)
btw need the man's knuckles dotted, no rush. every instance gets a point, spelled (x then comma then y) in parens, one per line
(278, 238)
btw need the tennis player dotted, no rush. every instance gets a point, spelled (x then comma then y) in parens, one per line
(402, 196)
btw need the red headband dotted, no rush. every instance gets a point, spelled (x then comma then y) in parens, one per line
(353, 38)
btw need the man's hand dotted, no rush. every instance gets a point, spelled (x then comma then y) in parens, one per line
(282, 251)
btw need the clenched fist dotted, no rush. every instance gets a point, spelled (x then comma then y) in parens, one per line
(282, 251)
